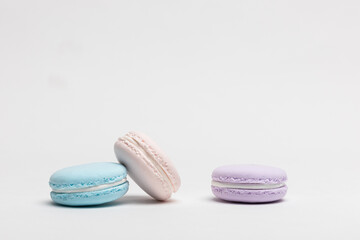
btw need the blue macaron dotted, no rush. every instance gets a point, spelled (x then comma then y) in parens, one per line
(89, 184)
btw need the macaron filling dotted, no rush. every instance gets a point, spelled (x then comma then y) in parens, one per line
(149, 158)
(90, 189)
(251, 186)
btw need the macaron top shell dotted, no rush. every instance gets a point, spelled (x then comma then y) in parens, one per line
(87, 175)
(148, 166)
(249, 173)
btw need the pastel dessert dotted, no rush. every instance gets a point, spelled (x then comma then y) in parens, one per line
(249, 183)
(147, 165)
(89, 184)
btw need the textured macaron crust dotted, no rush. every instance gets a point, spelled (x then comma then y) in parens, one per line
(89, 184)
(249, 183)
(147, 165)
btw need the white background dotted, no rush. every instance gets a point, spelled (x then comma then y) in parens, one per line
(212, 82)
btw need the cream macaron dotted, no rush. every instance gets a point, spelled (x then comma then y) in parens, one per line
(147, 165)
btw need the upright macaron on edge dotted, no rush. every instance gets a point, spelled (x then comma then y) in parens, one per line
(149, 167)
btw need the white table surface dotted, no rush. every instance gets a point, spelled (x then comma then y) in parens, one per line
(212, 82)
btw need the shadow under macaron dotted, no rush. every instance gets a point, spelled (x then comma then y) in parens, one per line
(143, 200)
(126, 200)
(214, 199)
(104, 205)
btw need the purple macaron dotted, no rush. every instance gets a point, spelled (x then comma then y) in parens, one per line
(249, 183)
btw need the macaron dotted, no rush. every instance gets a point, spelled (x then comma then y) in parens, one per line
(89, 184)
(147, 165)
(249, 183)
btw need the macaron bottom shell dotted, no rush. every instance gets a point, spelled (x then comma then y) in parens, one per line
(249, 196)
(90, 198)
